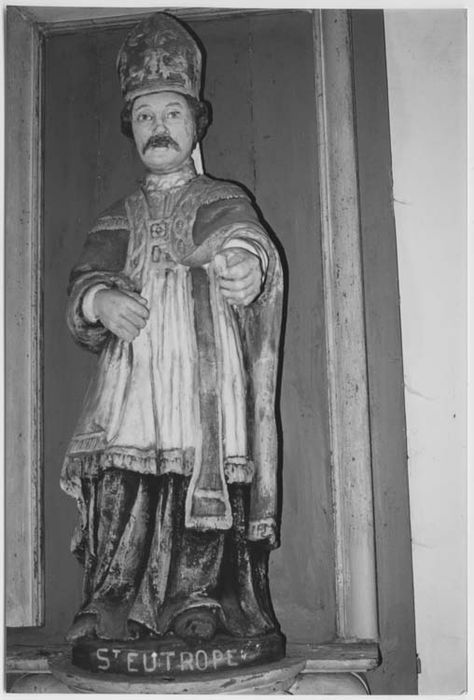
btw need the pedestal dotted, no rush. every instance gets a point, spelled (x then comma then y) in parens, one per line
(327, 669)
(277, 677)
(173, 657)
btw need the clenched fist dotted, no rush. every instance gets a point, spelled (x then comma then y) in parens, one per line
(240, 275)
(123, 313)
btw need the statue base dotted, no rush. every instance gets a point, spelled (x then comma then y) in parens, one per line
(276, 677)
(172, 657)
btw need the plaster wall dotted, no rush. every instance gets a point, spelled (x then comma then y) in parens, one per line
(426, 66)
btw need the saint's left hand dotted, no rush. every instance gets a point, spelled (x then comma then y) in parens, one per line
(240, 275)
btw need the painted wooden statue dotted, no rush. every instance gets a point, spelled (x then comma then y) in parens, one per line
(173, 461)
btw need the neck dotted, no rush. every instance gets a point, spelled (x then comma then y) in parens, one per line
(166, 181)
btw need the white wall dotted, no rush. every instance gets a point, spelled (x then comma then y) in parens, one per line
(426, 65)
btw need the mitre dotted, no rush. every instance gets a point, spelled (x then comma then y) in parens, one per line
(159, 54)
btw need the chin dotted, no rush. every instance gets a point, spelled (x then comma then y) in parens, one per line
(159, 163)
(164, 165)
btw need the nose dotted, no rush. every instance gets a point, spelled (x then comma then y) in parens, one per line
(159, 125)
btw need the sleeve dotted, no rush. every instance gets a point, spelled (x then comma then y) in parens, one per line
(101, 263)
(235, 221)
(217, 225)
(235, 212)
(88, 302)
(230, 218)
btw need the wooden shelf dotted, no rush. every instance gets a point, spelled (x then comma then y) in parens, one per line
(337, 656)
(332, 657)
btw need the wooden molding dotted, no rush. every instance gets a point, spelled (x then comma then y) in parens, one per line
(333, 668)
(63, 20)
(346, 349)
(345, 328)
(397, 673)
(340, 657)
(23, 392)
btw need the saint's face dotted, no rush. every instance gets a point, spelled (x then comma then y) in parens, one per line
(164, 131)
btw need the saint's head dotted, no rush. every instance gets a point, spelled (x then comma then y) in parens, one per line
(159, 67)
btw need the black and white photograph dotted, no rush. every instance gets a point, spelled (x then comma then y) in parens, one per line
(236, 349)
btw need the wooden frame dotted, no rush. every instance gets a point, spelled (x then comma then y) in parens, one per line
(343, 300)
(398, 671)
(345, 329)
(23, 385)
(344, 305)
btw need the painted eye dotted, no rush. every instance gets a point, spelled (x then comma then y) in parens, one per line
(143, 117)
(174, 114)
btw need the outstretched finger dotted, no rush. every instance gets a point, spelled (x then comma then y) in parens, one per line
(241, 295)
(236, 256)
(240, 270)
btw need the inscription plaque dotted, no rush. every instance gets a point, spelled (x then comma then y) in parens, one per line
(173, 657)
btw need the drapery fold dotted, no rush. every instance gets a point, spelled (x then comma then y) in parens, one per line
(161, 262)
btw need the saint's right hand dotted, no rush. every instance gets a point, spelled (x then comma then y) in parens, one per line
(123, 313)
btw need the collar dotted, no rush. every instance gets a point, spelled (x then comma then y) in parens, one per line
(158, 183)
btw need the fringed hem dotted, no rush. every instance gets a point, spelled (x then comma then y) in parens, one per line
(238, 470)
(86, 464)
(88, 456)
(205, 523)
(263, 529)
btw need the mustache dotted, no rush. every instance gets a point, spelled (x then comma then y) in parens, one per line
(160, 141)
